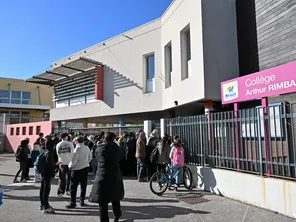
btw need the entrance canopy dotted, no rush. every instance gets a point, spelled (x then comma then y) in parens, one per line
(65, 71)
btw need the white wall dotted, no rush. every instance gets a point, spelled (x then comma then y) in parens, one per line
(269, 193)
(176, 18)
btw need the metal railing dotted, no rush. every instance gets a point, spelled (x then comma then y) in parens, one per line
(24, 119)
(247, 140)
(97, 130)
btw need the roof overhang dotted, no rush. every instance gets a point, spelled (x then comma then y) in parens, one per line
(65, 71)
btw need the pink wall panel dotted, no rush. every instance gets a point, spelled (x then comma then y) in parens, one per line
(15, 133)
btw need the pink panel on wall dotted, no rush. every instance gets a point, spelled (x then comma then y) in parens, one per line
(25, 130)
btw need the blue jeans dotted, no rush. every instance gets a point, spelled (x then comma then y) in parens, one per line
(36, 175)
(177, 177)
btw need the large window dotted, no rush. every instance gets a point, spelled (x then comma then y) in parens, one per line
(18, 97)
(75, 101)
(168, 65)
(4, 96)
(150, 73)
(186, 52)
(18, 117)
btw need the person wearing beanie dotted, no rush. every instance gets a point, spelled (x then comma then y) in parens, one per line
(47, 174)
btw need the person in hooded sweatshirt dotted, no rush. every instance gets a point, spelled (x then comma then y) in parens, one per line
(47, 174)
(64, 151)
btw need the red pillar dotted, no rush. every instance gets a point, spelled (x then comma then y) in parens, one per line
(99, 87)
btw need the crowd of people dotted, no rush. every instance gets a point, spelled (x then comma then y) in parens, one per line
(70, 157)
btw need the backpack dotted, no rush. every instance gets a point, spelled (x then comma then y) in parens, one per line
(154, 155)
(178, 157)
(18, 154)
(40, 162)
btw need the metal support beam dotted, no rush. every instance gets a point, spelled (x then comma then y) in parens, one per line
(72, 68)
(57, 74)
(48, 80)
(91, 61)
(41, 83)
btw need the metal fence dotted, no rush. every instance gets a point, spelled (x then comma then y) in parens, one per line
(24, 119)
(96, 130)
(248, 140)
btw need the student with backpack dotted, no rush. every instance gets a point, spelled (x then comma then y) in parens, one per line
(21, 155)
(45, 165)
(177, 158)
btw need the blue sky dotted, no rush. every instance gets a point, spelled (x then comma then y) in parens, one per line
(35, 33)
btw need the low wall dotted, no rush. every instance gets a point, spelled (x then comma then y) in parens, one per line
(13, 140)
(269, 193)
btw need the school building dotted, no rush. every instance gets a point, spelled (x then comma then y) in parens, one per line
(169, 67)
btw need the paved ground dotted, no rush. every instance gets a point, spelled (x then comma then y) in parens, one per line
(21, 203)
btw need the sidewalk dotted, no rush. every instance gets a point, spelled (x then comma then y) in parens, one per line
(21, 203)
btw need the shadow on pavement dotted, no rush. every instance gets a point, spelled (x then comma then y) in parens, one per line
(131, 213)
(134, 200)
(6, 175)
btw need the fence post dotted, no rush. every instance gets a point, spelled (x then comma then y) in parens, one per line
(237, 136)
(264, 102)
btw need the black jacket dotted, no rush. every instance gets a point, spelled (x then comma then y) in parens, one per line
(24, 151)
(50, 165)
(108, 185)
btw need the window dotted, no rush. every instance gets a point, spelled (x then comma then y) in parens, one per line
(168, 65)
(4, 96)
(11, 131)
(31, 128)
(17, 131)
(18, 97)
(62, 103)
(24, 131)
(14, 117)
(25, 117)
(150, 73)
(26, 97)
(253, 122)
(38, 130)
(90, 98)
(77, 100)
(186, 52)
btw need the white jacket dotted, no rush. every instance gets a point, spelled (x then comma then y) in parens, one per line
(81, 157)
(65, 151)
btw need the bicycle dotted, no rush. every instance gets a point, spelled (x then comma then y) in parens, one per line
(165, 180)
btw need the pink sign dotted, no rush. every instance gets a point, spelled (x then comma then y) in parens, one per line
(275, 81)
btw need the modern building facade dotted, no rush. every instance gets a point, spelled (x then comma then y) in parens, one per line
(170, 66)
(23, 102)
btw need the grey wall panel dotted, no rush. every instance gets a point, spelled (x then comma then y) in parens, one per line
(276, 32)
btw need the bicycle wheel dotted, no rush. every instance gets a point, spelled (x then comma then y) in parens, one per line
(187, 178)
(159, 183)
